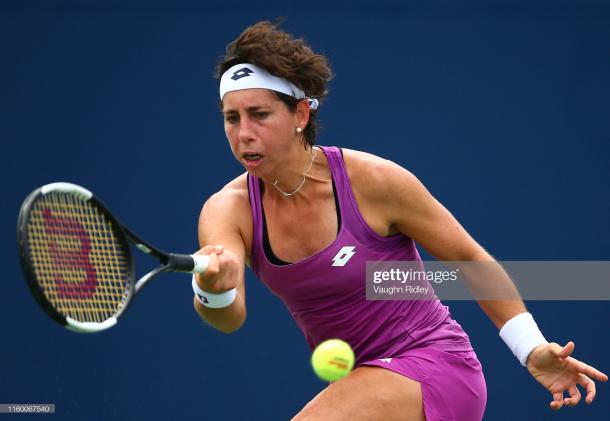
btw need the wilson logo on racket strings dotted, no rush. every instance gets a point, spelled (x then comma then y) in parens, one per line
(57, 230)
(243, 72)
(343, 256)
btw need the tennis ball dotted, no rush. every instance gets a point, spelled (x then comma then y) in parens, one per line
(332, 360)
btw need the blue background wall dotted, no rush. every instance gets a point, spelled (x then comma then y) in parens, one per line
(501, 108)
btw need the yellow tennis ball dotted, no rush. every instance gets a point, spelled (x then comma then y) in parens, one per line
(332, 360)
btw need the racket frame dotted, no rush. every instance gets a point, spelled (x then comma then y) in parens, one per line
(169, 261)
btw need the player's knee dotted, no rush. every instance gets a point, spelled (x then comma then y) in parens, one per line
(309, 414)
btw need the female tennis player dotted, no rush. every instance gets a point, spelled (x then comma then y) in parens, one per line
(307, 218)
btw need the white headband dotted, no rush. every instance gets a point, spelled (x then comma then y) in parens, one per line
(248, 76)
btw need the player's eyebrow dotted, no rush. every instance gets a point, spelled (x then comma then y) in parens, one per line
(250, 109)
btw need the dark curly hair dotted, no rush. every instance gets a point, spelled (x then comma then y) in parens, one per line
(281, 54)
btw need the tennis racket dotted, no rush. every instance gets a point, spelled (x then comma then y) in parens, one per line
(77, 260)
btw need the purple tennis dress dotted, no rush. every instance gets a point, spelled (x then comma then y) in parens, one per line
(325, 293)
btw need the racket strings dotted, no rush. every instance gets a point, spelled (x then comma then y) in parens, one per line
(79, 262)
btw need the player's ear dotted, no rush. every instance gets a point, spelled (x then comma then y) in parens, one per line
(302, 113)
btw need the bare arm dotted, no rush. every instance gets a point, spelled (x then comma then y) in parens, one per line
(220, 238)
(406, 206)
(411, 209)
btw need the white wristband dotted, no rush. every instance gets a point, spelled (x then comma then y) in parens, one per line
(212, 300)
(521, 335)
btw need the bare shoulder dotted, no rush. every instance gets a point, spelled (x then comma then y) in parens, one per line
(383, 189)
(374, 177)
(227, 213)
(233, 197)
(391, 199)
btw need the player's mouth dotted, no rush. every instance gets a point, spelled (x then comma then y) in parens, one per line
(252, 159)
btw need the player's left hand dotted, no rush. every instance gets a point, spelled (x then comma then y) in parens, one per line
(558, 372)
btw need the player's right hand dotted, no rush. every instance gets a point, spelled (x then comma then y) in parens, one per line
(222, 272)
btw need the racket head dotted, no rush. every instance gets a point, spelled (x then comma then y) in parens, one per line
(75, 257)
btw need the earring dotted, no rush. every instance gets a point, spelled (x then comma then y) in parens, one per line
(298, 130)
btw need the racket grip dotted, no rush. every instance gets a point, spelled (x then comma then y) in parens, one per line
(200, 263)
(192, 263)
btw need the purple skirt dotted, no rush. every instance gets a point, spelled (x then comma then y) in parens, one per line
(452, 382)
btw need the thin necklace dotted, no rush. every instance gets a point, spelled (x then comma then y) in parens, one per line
(304, 178)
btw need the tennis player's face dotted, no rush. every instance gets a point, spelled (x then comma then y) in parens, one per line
(260, 129)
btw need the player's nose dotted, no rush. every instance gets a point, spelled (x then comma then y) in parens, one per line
(245, 130)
